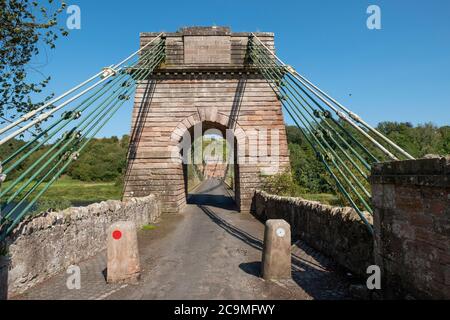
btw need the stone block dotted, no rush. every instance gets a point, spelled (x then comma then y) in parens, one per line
(276, 259)
(412, 232)
(123, 253)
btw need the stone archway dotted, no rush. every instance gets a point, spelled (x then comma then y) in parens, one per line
(210, 85)
(194, 127)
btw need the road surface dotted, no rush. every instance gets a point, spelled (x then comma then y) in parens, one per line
(209, 251)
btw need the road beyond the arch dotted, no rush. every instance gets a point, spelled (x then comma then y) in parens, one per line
(210, 251)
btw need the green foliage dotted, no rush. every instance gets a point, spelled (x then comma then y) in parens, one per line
(307, 171)
(26, 27)
(419, 141)
(149, 227)
(102, 160)
(282, 184)
(310, 174)
(51, 205)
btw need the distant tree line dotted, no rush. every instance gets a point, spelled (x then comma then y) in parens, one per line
(104, 160)
(419, 141)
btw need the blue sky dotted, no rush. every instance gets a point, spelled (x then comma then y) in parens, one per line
(398, 73)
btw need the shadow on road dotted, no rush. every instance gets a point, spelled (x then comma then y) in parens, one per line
(234, 231)
(4, 270)
(217, 201)
(318, 280)
(252, 268)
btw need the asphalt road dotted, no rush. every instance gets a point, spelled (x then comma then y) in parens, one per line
(209, 251)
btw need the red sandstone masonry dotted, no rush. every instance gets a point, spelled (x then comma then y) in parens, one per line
(412, 227)
(203, 80)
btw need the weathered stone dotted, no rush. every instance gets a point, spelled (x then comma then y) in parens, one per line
(360, 292)
(337, 232)
(45, 245)
(276, 256)
(412, 224)
(205, 80)
(123, 253)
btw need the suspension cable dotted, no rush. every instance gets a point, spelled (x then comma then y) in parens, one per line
(106, 73)
(52, 163)
(323, 97)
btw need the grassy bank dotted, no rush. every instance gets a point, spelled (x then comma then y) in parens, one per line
(74, 191)
(324, 198)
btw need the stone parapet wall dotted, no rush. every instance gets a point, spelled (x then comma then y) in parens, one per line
(45, 245)
(206, 47)
(336, 232)
(411, 202)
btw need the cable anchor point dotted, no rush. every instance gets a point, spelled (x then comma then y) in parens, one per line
(75, 156)
(2, 176)
(355, 117)
(108, 71)
(289, 69)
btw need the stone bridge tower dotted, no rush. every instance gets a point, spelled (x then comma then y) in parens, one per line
(204, 81)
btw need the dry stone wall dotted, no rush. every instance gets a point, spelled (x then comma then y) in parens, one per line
(336, 232)
(49, 243)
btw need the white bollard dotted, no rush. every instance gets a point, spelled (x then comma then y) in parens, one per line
(276, 259)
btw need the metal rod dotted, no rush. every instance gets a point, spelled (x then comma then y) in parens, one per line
(140, 75)
(34, 112)
(295, 74)
(44, 116)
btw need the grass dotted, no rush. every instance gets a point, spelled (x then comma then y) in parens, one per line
(324, 198)
(74, 191)
(149, 227)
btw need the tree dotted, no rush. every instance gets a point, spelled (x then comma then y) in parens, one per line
(420, 140)
(102, 160)
(307, 171)
(27, 27)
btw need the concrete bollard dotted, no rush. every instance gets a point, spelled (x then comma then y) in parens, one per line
(123, 254)
(276, 259)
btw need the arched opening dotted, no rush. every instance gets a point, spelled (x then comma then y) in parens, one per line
(210, 168)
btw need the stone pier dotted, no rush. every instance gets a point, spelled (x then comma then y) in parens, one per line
(412, 227)
(205, 81)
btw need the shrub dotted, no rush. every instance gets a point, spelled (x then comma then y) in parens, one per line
(282, 184)
(50, 206)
